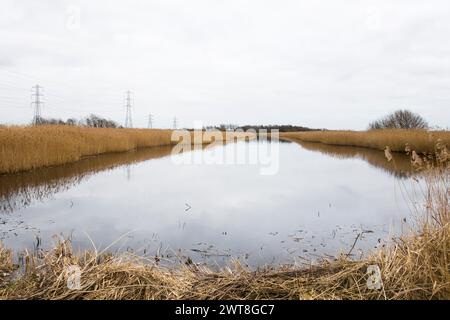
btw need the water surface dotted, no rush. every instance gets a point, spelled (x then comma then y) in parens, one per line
(316, 204)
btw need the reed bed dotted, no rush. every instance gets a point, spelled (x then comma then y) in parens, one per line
(24, 148)
(413, 266)
(422, 141)
(29, 147)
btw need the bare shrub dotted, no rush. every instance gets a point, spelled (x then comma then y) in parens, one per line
(400, 119)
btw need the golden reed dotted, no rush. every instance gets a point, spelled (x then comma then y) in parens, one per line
(29, 147)
(421, 141)
(24, 148)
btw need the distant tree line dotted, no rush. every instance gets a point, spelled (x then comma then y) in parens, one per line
(400, 119)
(281, 128)
(92, 121)
(222, 127)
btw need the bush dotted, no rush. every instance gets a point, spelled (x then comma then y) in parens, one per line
(400, 119)
(98, 122)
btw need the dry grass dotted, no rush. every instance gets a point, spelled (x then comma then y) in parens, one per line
(25, 148)
(414, 266)
(29, 147)
(6, 262)
(420, 140)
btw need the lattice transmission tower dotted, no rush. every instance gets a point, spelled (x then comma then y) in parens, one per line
(175, 123)
(150, 121)
(128, 120)
(37, 103)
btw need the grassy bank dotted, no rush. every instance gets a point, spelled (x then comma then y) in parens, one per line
(421, 141)
(414, 266)
(29, 147)
(25, 148)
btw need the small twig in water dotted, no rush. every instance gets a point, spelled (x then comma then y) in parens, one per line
(354, 243)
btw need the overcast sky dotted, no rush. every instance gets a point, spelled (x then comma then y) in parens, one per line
(333, 64)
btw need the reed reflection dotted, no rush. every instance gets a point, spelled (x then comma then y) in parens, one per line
(400, 166)
(22, 189)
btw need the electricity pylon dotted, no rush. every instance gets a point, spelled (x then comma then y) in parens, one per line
(175, 123)
(37, 103)
(128, 120)
(150, 121)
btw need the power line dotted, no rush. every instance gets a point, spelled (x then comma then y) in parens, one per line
(24, 76)
(9, 98)
(7, 86)
(18, 76)
(60, 98)
(12, 106)
(10, 79)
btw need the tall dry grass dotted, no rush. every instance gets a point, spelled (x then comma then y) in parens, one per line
(414, 266)
(29, 147)
(420, 140)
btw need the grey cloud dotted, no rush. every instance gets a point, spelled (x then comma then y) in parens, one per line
(321, 64)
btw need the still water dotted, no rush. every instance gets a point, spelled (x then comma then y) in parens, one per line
(315, 204)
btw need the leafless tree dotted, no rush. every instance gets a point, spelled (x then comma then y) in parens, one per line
(72, 122)
(98, 122)
(49, 121)
(90, 121)
(400, 119)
